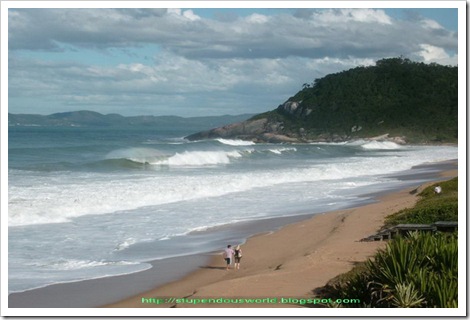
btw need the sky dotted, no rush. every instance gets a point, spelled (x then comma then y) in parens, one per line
(196, 61)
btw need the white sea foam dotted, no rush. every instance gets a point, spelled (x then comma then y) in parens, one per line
(281, 150)
(75, 264)
(71, 270)
(231, 142)
(125, 244)
(381, 145)
(141, 155)
(199, 158)
(46, 199)
(186, 158)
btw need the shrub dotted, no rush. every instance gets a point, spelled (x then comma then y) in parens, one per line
(416, 271)
(431, 207)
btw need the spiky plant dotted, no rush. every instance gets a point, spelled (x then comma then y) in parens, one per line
(406, 296)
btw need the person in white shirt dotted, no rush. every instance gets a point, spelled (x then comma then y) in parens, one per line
(228, 255)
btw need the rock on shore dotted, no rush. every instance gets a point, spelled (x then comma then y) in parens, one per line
(263, 130)
(260, 130)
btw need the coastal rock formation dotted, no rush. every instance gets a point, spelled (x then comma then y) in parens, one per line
(259, 130)
(295, 108)
(265, 130)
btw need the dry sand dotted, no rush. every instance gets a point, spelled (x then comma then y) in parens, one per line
(288, 263)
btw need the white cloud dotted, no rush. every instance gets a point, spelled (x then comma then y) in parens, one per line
(245, 64)
(344, 16)
(369, 16)
(435, 54)
(431, 24)
(432, 53)
(188, 14)
(332, 32)
(191, 16)
(257, 18)
(175, 11)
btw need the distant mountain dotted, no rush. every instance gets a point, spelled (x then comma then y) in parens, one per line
(90, 118)
(395, 99)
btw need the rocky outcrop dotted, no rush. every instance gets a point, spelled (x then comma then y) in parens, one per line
(294, 108)
(263, 130)
(259, 130)
(242, 130)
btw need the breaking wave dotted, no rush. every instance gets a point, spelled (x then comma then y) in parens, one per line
(235, 142)
(199, 158)
(381, 145)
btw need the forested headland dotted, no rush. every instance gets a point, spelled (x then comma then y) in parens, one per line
(415, 101)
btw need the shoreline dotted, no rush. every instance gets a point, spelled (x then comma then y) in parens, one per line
(201, 275)
(91, 293)
(289, 263)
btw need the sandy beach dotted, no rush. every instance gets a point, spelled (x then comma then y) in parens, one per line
(279, 267)
(300, 255)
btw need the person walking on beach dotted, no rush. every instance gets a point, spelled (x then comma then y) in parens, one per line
(228, 255)
(238, 257)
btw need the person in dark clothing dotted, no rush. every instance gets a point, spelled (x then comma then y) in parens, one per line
(238, 257)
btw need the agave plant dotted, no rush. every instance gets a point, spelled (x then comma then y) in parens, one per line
(406, 296)
(420, 270)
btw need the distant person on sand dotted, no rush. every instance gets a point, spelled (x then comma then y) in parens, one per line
(437, 190)
(228, 255)
(238, 257)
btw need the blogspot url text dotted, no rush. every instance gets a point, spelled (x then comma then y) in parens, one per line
(194, 301)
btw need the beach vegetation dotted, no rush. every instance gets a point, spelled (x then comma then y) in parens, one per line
(415, 271)
(407, 296)
(431, 207)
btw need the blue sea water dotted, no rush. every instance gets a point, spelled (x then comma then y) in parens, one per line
(85, 203)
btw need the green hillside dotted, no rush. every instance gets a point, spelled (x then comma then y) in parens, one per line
(396, 96)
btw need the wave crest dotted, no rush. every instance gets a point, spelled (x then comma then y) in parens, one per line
(200, 158)
(231, 142)
(380, 145)
(138, 155)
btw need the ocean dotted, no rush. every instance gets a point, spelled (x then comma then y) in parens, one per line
(86, 203)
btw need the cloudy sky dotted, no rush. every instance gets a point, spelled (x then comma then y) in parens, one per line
(192, 62)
